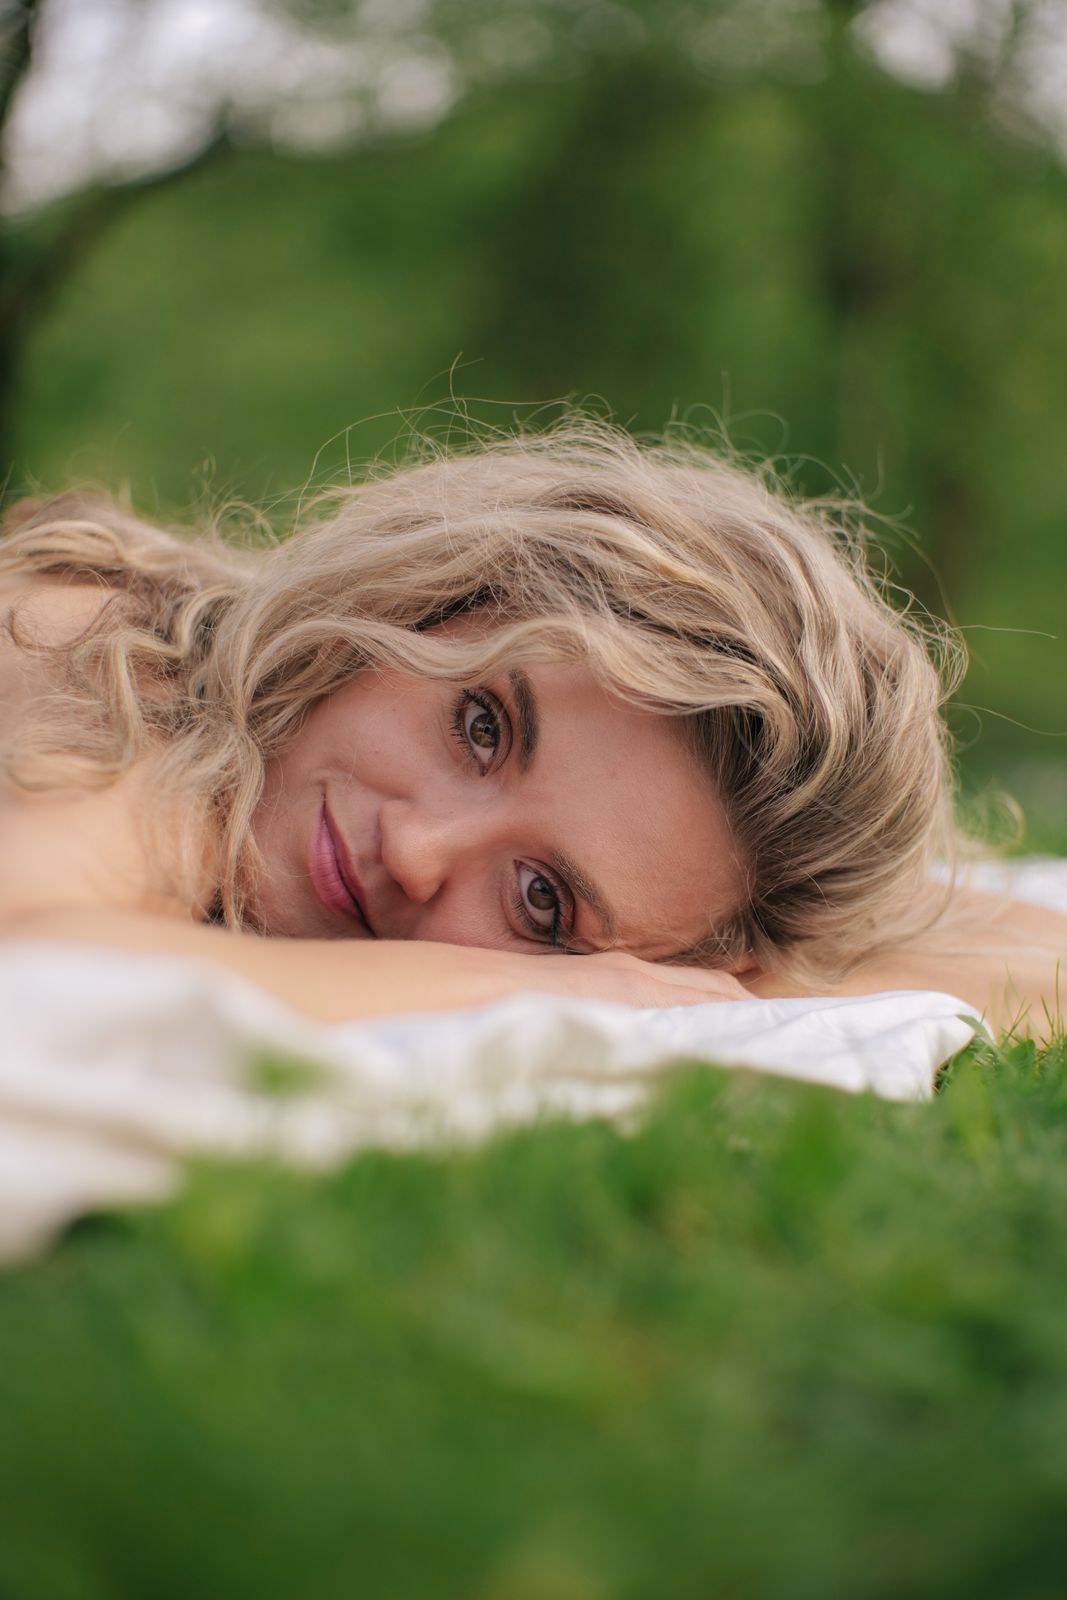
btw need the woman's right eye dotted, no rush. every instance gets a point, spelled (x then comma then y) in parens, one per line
(478, 723)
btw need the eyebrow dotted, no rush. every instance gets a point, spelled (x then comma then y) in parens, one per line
(526, 716)
(586, 890)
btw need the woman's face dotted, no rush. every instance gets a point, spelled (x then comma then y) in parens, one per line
(531, 812)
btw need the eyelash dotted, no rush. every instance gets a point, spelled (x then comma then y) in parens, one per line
(493, 708)
(549, 936)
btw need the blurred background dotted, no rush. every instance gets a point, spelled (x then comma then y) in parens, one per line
(246, 244)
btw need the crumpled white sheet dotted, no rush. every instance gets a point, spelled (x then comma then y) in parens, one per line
(114, 1068)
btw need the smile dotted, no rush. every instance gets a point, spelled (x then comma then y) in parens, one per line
(332, 876)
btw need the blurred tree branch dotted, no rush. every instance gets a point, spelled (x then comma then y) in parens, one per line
(35, 265)
(16, 48)
(37, 275)
(623, 47)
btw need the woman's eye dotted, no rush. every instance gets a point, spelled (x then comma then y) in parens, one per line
(540, 899)
(479, 728)
(482, 729)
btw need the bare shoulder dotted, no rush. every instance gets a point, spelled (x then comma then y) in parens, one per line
(53, 607)
(44, 611)
(65, 846)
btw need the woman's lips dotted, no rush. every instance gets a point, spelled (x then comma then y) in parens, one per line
(332, 876)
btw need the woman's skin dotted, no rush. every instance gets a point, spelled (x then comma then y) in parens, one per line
(486, 836)
(531, 813)
(428, 846)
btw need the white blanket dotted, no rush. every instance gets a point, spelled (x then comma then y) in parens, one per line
(113, 1068)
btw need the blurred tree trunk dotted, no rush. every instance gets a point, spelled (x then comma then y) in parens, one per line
(37, 259)
(16, 52)
(848, 269)
(862, 283)
(556, 298)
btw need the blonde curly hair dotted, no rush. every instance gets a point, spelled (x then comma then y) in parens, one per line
(691, 585)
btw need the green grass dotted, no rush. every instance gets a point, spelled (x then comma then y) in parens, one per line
(777, 1342)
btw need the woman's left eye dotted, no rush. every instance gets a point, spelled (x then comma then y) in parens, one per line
(478, 722)
(540, 904)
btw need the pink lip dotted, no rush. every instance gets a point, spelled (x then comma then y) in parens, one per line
(332, 875)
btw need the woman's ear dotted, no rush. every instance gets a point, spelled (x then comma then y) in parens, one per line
(747, 969)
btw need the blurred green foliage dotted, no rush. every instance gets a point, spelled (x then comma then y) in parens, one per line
(861, 279)
(778, 1342)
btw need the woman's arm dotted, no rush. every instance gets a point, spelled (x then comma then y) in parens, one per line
(1005, 957)
(341, 980)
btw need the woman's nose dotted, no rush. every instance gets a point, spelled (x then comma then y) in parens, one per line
(419, 846)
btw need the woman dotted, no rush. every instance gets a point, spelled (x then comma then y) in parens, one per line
(559, 695)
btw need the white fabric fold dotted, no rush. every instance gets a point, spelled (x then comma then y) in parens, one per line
(115, 1068)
